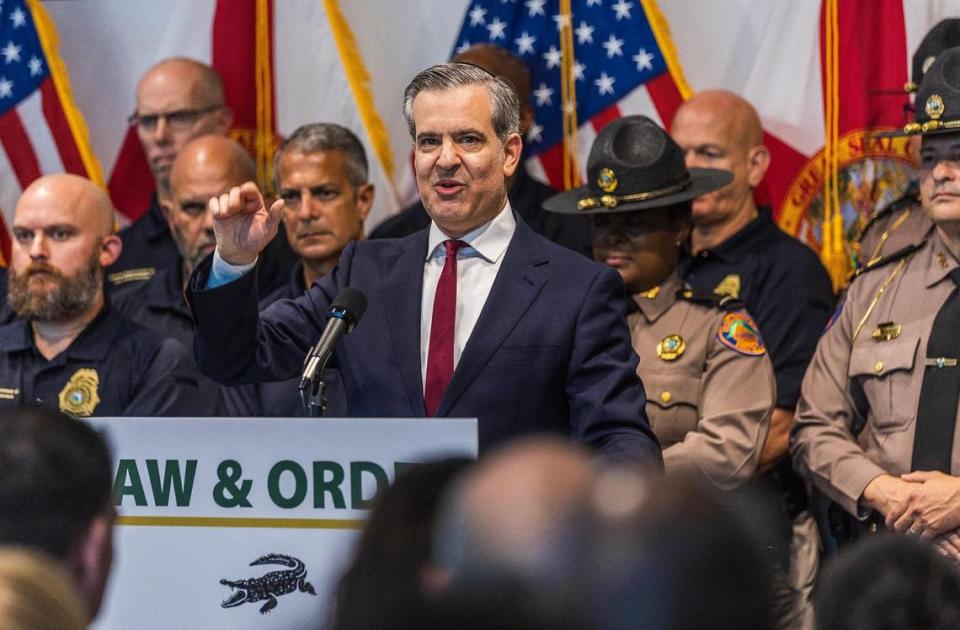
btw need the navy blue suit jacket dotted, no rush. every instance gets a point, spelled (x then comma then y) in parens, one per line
(550, 352)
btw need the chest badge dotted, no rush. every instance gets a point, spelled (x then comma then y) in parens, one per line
(729, 286)
(79, 396)
(886, 331)
(671, 347)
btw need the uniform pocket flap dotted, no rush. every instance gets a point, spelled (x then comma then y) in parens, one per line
(874, 358)
(670, 390)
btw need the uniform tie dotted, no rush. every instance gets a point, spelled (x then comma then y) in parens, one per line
(937, 411)
(442, 330)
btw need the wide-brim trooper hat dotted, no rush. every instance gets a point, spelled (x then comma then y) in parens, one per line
(943, 36)
(938, 99)
(635, 165)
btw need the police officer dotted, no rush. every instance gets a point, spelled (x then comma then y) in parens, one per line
(67, 348)
(876, 422)
(709, 381)
(903, 222)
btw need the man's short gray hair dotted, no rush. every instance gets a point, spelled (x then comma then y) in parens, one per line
(446, 76)
(317, 137)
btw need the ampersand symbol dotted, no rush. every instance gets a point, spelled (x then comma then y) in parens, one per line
(229, 472)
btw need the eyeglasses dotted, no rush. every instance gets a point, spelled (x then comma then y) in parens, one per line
(180, 120)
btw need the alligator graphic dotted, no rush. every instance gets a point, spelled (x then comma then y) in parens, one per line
(270, 586)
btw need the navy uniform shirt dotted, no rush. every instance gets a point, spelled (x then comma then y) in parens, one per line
(158, 304)
(281, 399)
(526, 198)
(6, 315)
(148, 247)
(113, 368)
(783, 285)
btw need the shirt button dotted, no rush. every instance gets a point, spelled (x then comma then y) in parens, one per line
(878, 367)
(665, 397)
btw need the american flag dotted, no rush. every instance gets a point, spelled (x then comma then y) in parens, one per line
(623, 63)
(41, 131)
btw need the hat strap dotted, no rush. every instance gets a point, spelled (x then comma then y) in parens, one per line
(612, 201)
(931, 125)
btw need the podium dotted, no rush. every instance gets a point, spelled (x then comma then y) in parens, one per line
(201, 500)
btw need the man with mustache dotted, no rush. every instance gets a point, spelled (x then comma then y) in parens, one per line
(67, 348)
(321, 174)
(876, 422)
(475, 316)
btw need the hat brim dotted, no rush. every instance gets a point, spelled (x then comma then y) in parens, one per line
(900, 133)
(702, 181)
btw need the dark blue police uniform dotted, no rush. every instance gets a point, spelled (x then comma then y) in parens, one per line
(113, 368)
(783, 285)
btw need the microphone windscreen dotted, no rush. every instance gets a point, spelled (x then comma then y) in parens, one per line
(352, 301)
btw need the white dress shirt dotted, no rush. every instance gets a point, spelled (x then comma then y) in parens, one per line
(477, 268)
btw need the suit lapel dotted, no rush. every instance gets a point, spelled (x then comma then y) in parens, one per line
(518, 283)
(402, 288)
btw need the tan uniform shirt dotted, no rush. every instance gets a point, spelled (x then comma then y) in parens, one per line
(895, 230)
(710, 405)
(871, 380)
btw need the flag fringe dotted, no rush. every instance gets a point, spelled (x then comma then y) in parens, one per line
(359, 79)
(661, 32)
(50, 41)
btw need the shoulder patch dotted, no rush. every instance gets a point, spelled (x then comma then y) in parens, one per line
(739, 332)
(131, 275)
(881, 261)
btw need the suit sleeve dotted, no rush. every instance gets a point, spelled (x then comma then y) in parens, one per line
(236, 343)
(737, 394)
(606, 398)
(822, 443)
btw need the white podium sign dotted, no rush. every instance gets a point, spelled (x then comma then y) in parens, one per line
(247, 522)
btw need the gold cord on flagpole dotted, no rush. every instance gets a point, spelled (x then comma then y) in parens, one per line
(568, 92)
(264, 83)
(833, 249)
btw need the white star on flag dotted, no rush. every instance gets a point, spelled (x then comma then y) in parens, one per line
(543, 94)
(552, 57)
(36, 66)
(584, 33)
(497, 29)
(535, 134)
(605, 83)
(535, 7)
(11, 52)
(525, 43)
(644, 60)
(590, 3)
(18, 18)
(463, 47)
(477, 14)
(622, 8)
(570, 107)
(6, 88)
(614, 47)
(578, 69)
(562, 20)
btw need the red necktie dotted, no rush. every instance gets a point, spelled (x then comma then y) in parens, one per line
(442, 330)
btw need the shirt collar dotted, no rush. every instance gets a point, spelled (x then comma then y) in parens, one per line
(93, 343)
(488, 241)
(940, 261)
(744, 240)
(658, 300)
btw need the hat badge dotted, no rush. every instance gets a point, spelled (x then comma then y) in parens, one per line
(607, 180)
(934, 106)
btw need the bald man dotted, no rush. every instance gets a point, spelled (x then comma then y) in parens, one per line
(526, 194)
(736, 249)
(178, 100)
(67, 348)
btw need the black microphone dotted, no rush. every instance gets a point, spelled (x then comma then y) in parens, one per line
(345, 312)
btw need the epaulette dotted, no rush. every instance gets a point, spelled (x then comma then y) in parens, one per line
(711, 299)
(881, 261)
(131, 275)
(910, 197)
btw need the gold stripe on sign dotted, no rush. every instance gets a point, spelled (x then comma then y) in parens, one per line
(217, 521)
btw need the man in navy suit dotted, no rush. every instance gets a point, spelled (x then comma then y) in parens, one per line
(476, 316)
